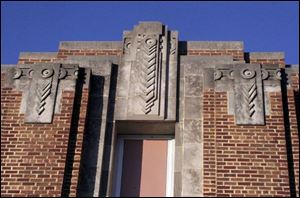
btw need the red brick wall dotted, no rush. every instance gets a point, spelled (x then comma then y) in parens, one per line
(79, 142)
(33, 156)
(35, 60)
(293, 98)
(238, 55)
(243, 160)
(209, 143)
(281, 62)
(64, 53)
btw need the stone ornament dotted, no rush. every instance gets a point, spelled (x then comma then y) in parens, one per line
(231, 74)
(17, 73)
(30, 73)
(46, 73)
(250, 94)
(247, 73)
(150, 55)
(248, 91)
(62, 73)
(218, 75)
(264, 74)
(43, 88)
(173, 45)
(148, 75)
(42, 92)
(278, 74)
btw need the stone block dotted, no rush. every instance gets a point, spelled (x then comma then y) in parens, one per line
(177, 184)
(192, 183)
(192, 156)
(91, 45)
(266, 55)
(193, 86)
(215, 45)
(192, 108)
(192, 132)
(178, 158)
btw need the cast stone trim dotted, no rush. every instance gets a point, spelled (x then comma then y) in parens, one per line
(248, 89)
(43, 82)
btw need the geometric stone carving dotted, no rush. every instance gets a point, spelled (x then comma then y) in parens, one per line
(150, 50)
(248, 91)
(247, 83)
(44, 79)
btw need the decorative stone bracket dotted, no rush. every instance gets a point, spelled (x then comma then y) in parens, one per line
(43, 85)
(248, 89)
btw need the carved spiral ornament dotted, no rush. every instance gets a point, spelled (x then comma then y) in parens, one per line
(30, 73)
(17, 73)
(231, 74)
(264, 74)
(127, 45)
(46, 73)
(62, 73)
(278, 74)
(150, 42)
(247, 73)
(218, 75)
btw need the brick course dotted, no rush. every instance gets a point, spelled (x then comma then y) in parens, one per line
(238, 55)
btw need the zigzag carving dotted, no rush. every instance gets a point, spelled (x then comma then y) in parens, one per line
(43, 91)
(250, 93)
(148, 69)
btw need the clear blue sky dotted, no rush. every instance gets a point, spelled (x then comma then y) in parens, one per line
(39, 26)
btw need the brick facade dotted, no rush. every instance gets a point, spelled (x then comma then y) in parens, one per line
(39, 159)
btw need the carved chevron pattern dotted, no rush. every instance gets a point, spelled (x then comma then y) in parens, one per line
(173, 46)
(148, 76)
(250, 93)
(43, 91)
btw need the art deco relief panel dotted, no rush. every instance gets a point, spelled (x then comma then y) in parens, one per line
(40, 84)
(246, 81)
(150, 59)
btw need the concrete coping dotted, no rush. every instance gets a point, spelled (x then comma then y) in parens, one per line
(202, 45)
(266, 55)
(93, 45)
(6, 67)
(38, 55)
